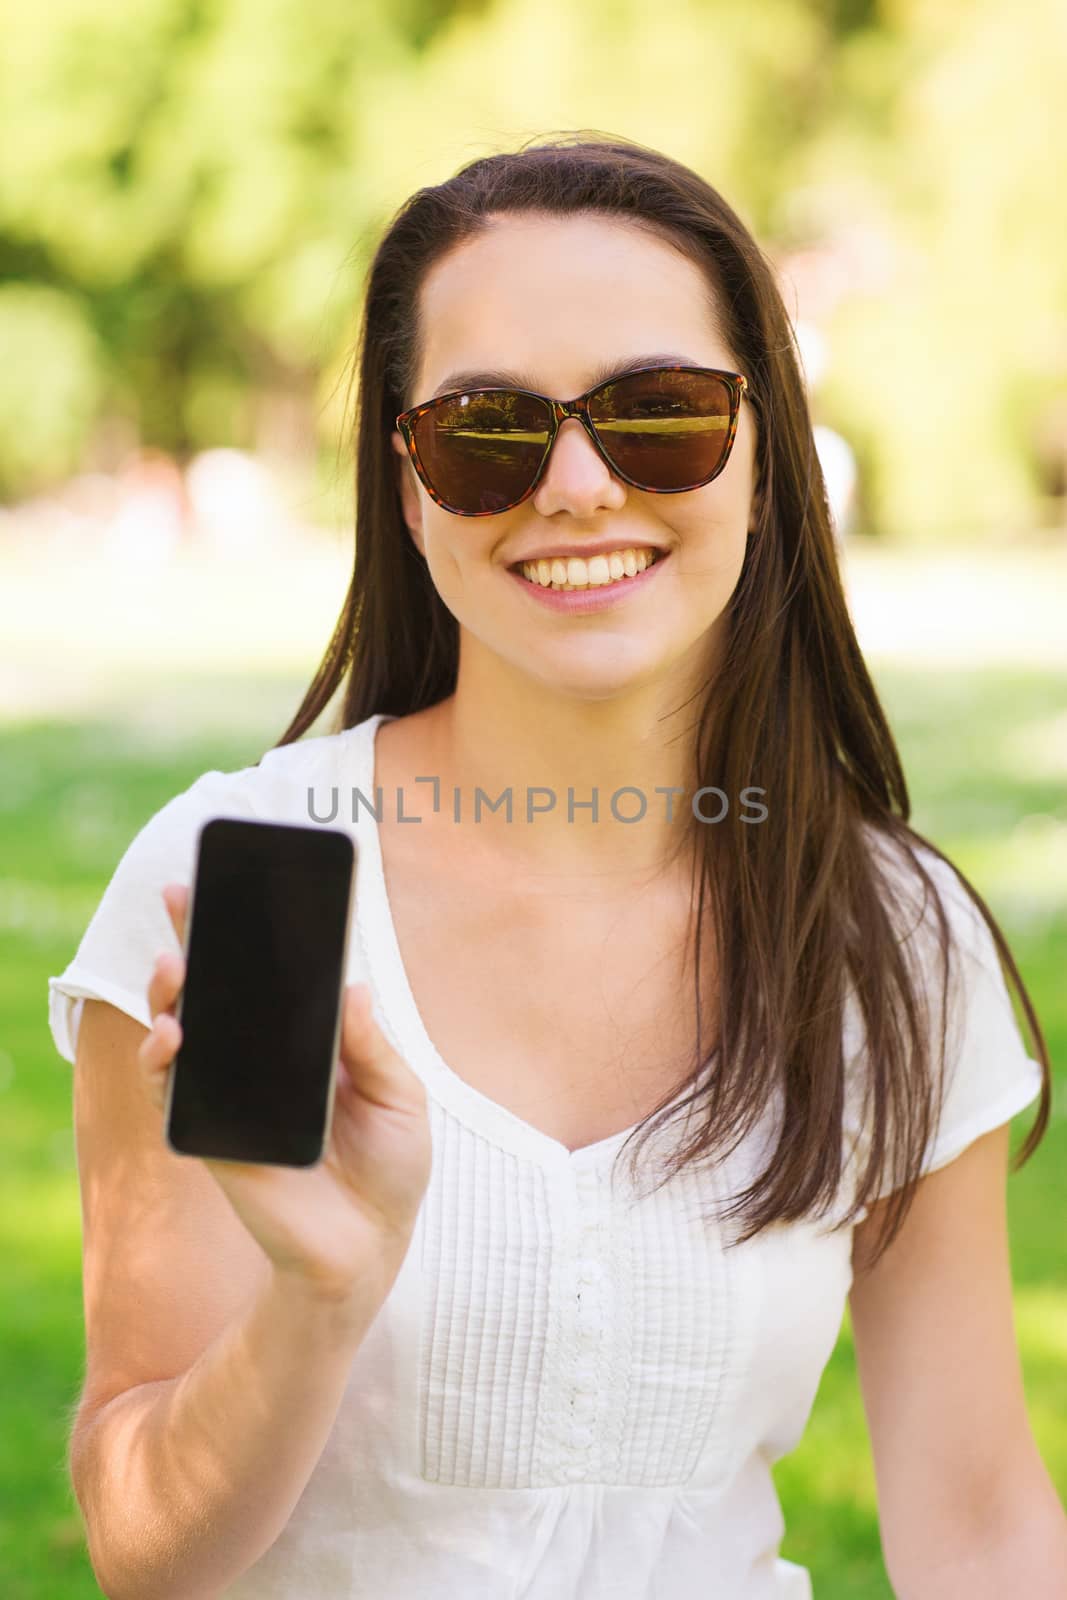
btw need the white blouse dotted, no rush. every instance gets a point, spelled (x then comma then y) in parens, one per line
(574, 1391)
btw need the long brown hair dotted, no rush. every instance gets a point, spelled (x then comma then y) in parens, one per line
(799, 907)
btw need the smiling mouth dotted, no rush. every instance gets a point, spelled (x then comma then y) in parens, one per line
(595, 572)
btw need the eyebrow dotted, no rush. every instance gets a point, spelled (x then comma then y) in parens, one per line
(500, 379)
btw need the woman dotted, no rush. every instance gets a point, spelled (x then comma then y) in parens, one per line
(463, 1356)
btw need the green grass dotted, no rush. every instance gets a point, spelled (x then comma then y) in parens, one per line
(979, 751)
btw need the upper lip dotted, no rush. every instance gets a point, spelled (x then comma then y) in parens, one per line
(599, 547)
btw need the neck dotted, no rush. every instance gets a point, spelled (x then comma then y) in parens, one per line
(556, 754)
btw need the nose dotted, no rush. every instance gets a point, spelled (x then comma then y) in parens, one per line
(577, 478)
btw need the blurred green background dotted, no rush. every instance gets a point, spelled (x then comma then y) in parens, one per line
(192, 189)
(189, 196)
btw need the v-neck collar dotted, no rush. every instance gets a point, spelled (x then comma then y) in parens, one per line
(390, 983)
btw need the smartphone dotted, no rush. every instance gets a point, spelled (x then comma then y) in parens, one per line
(266, 951)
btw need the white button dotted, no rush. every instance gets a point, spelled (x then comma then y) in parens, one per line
(573, 1472)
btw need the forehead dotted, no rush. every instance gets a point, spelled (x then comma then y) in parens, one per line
(553, 300)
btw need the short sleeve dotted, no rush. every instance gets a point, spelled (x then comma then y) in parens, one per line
(130, 926)
(989, 1075)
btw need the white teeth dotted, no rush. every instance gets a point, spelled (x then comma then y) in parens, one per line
(574, 573)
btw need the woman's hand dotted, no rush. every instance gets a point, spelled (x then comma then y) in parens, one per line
(324, 1226)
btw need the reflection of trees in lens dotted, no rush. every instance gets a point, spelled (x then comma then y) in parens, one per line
(483, 454)
(656, 405)
(657, 396)
(497, 413)
(664, 430)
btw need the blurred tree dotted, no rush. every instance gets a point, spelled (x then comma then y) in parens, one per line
(948, 143)
(193, 188)
(186, 177)
(50, 389)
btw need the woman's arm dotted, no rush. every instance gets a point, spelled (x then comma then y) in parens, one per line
(214, 1369)
(184, 1483)
(966, 1506)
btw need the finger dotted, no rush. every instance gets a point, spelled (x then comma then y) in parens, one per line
(165, 984)
(155, 1055)
(379, 1074)
(162, 1041)
(176, 900)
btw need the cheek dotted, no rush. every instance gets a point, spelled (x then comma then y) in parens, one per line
(713, 535)
(458, 553)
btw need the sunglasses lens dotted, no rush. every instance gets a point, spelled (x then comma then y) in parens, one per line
(665, 430)
(481, 452)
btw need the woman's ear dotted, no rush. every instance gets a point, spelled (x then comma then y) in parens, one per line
(409, 493)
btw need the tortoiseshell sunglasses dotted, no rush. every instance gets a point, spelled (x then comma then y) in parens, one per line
(663, 429)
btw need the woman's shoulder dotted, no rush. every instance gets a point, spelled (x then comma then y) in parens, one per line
(294, 783)
(293, 773)
(289, 782)
(952, 958)
(917, 881)
(986, 1074)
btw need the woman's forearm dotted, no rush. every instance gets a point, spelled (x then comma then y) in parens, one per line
(185, 1483)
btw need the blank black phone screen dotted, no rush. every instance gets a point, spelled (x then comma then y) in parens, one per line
(265, 957)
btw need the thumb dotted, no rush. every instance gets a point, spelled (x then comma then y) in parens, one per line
(376, 1070)
(176, 900)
